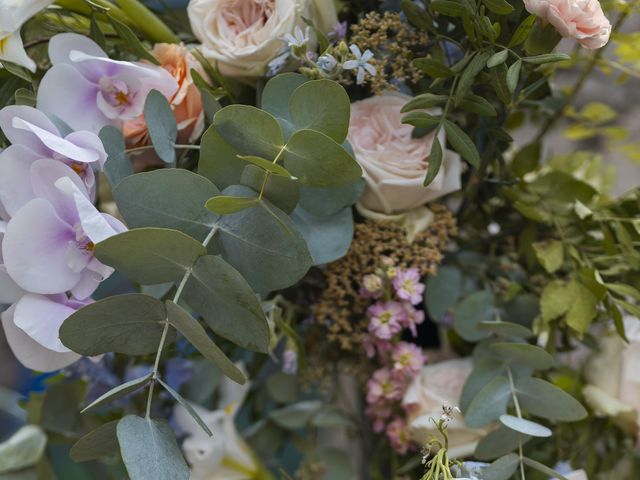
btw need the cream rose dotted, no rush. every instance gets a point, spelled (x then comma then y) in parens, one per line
(243, 36)
(394, 163)
(435, 386)
(582, 20)
(613, 377)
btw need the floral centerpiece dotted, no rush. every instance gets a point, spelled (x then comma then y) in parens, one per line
(260, 239)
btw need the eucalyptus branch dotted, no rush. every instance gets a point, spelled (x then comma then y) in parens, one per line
(165, 331)
(516, 403)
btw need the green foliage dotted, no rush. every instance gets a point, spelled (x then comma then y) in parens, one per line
(149, 449)
(118, 165)
(119, 392)
(162, 126)
(130, 324)
(101, 442)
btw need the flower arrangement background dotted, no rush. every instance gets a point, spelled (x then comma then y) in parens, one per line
(259, 239)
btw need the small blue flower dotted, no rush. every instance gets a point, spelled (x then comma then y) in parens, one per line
(299, 38)
(361, 63)
(327, 63)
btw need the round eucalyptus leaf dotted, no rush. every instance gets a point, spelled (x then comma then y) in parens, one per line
(543, 399)
(490, 402)
(162, 126)
(523, 354)
(506, 329)
(527, 427)
(328, 238)
(467, 315)
(499, 442)
(502, 469)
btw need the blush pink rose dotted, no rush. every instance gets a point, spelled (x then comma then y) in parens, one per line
(394, 163)
(582, 20)
(186, 103)
(243, 36)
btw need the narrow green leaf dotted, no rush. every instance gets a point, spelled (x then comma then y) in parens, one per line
(421, 119)
(490, 402)
(150, 255)
(282, 191)
(162, 125)
(477, 104)
(468, 76)
(17, 71)
(187, 406)
(499, 81)
(119, 392)
(527, 427)
(95, 33)
(417, 16)
(130, 41)
(501, 7)
(547, 58)
(223, 205)
(227, 303)
(523, 354)
(98, 443)
(149, 450)
(513, 75)
(433, 68)
(25, 96)
(197, 336)
(131, 324)
(425, 100)
(435, 162)
(266, 165)
(624, 290)
(497, 58)
(522, 32)
(545, 400)
(449, 7)
(462, 143)
(550, 472)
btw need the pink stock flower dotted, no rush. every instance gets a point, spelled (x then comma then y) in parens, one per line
(412, 318)
(382, 387)
(373, 345)
(407, 285)
(386, 319)
(398, 435)
(380, 414)
(407, 359)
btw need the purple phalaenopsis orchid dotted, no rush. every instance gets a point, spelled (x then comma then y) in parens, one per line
(48, 243)
(31, 327)
(35, 139)
(88, 90)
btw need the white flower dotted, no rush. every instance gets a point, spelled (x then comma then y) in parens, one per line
(299, 38)
(244, 36)
(14, 14)
(225, 455)
(361, 63)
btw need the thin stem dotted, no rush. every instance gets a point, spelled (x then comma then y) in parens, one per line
(186, 147)
(513, 393)
(595, 59)
(165, 330)
(139, 149)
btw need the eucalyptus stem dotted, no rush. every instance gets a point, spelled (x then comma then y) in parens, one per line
(165, 331)
(516, 403)
(595, 60)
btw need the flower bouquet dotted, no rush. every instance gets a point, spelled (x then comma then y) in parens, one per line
(307, 239)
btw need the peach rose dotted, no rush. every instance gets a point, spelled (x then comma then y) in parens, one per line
(186, 103)
(394, 163)
(437, 385)
(582, 20)
(243, 36)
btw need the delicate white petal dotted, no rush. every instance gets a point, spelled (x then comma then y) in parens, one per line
(57, 143)
(34, 249)
(78, 106)
(14, 13)
(355, 50)
(40, 317)
(18, 136)
(10, 292)
(350, 64)
(12, 50)
(44, 175)
(15, 177)
(94, 224)
(29, 352)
